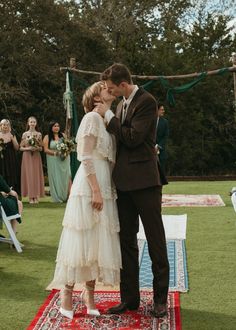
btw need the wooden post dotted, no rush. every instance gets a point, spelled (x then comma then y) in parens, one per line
(73, 62)
(68, 120)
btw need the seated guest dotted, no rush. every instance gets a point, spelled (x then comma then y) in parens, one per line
(10, 203)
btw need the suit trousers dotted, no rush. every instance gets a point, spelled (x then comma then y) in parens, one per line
(146, 203)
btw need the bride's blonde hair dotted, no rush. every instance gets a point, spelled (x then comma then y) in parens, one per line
(89, 95)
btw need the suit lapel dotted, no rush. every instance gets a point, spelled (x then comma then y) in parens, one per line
(131, 108)
(133, 103)
(119, 110)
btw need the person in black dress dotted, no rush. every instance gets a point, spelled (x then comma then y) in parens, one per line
(9, 165)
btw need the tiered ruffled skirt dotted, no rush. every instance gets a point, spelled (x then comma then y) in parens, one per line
(89, 246)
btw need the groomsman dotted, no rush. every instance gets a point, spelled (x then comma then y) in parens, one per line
(161, 137)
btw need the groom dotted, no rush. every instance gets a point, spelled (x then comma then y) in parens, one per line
(139, 183)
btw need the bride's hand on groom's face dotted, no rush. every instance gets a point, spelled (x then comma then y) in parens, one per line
(101, 108)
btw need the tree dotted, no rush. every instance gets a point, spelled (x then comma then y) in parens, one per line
(34, 46)
(163, 37)
(207, 116)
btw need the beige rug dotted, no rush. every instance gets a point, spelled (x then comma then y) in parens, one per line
(175, 227)
(191, 200)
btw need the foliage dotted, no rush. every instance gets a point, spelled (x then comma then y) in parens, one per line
(164, 37)
(37, 38)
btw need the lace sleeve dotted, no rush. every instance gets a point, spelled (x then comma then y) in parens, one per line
(87, 147)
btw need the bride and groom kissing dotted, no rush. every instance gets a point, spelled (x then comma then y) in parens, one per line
(101, 221)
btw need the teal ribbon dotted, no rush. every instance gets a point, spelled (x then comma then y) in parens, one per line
(180, 89)
(171, 91)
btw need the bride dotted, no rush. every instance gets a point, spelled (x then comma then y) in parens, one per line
(89, 247)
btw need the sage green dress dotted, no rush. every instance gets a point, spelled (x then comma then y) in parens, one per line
(59, 175)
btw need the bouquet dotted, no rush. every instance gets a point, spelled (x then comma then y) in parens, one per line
(2, 147)
(65, 147)
(33, 142)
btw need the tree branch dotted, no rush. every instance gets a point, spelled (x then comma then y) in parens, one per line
(189, 75)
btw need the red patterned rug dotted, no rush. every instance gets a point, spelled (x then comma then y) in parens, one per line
(49, 318)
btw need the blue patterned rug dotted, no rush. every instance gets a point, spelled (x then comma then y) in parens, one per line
(177, 260)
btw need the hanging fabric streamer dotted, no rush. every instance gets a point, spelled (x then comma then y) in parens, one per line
(68, 98)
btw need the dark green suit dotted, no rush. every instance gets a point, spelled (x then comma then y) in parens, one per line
(161, 139)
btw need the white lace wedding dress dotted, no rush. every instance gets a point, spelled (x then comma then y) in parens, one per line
(89, 247)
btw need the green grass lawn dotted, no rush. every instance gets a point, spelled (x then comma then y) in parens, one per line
(210, 303)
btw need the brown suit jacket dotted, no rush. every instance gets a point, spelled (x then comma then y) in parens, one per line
(136, 162)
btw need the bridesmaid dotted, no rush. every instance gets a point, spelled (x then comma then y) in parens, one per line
(9, 165)
(32, 178)
(59, 174)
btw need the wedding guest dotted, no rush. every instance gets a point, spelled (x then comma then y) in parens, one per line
(59, 174)
(139, 187)
(9, 165)
(10, 203)
(161, 136)
(32, 178)
(89, 248)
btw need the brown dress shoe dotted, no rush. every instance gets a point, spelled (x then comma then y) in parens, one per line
(121, 308)
(159, 310)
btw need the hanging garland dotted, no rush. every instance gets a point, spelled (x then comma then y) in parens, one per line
(171, 91)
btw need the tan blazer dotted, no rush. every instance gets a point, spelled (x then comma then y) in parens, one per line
(136, 162)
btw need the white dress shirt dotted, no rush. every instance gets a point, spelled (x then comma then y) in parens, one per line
(109, 114)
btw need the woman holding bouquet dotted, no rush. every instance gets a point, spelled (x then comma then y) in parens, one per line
(9, 165)
(32, 178)
(58, 163)
(89, 247)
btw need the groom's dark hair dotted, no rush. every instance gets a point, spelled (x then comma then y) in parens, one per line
(117, 73)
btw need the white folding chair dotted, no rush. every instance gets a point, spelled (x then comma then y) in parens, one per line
(233, 197)
(7, 221)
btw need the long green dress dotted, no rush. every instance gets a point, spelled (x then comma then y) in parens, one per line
(59, 175)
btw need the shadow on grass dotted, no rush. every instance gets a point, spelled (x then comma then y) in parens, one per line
(203, 320)
(31, 251)
(43, 205)
(23, 289)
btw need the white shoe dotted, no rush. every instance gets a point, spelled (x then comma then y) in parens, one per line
(94, 312)
(66, 313)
